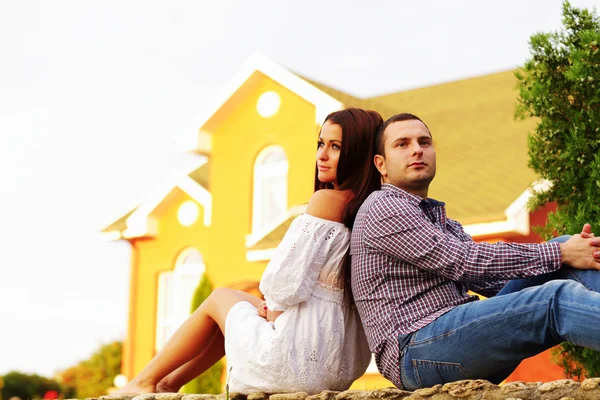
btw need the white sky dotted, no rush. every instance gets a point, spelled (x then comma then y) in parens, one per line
(92, 94)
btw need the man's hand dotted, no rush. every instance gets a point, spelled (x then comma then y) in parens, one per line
(581, 252)
(586, 232)
(262, 309)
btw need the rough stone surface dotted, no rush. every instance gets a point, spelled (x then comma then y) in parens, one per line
(518, 390)
(201, 397)
(324, 395)
(590, 384)
(427, 392)
(389, 394)
(558, 389)
(352, 395)
(258, 396)
(467, 388)
(169, 396)
(474, 389)
(145, 396)
(232, 396)
(289, 396)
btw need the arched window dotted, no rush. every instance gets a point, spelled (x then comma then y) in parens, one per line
(270, 188)
(175, 292)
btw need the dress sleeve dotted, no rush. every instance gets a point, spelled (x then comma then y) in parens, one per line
(293, 271)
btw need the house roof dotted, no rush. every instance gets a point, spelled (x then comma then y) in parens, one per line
(272, 238)
(351, 101)
(482, 160)
(120, 224)
(198, 175)
(481, 151)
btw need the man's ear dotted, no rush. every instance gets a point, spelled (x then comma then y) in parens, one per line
(379, 161)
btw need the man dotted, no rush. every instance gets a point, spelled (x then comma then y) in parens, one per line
(412, 268)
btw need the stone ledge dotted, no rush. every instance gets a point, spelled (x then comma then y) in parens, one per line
(478, 389)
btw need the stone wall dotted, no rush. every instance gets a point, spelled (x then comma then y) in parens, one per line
(565, 389)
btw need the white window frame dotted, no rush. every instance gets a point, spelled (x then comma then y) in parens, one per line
(262, 172)
(176, 293)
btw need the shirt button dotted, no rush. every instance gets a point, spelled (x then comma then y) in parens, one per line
(434, 238)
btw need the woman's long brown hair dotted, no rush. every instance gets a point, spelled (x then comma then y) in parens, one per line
(356, 170)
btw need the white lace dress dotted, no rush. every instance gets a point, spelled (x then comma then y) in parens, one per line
(317, 343)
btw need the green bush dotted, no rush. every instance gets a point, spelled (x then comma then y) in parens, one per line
(560, 86)
(28, 387)
(209, 381)
(92, 377)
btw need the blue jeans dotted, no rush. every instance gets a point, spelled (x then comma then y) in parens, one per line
(488, 339)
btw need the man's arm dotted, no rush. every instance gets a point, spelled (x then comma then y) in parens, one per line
(402, 232)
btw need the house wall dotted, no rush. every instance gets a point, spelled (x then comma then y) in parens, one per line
(151, 257)
(239, 134)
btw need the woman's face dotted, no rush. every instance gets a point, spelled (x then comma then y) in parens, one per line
(328, 153)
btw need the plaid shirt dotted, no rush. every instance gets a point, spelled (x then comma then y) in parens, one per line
(411, 264)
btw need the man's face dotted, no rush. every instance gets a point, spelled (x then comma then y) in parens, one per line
(409, 159)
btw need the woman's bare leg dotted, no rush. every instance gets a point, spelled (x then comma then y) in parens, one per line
(192, 338)
(188, 371)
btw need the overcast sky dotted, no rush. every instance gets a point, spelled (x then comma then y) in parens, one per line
(92, 94)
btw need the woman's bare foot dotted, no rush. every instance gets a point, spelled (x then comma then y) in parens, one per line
(136, 387)
(164, 387)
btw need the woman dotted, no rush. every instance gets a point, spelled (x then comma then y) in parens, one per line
(306, 336)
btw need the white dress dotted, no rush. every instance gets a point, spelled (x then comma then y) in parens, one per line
(317, 343)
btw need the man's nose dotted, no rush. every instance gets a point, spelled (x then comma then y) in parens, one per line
(418, 150)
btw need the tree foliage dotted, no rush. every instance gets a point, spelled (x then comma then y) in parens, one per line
(26, 387)
(560, 87)
(94, 376)
(209, 381)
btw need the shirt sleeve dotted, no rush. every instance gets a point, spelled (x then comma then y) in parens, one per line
(487, 289)
(405, 234)
(293, 271)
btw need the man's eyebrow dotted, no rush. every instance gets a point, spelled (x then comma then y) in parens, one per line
(407, 138)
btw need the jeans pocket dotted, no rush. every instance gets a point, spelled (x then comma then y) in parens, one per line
(430, 373)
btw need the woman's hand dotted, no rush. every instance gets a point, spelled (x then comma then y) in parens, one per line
(264, 312)
(262, 309)
(272, 315)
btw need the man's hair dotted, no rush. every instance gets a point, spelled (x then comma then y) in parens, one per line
(380, 136)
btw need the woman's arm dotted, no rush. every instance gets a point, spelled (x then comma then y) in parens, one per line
(293, 271)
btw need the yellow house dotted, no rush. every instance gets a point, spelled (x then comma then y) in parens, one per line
(255, 145)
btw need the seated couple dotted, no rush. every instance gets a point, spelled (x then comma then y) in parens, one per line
(388, 254)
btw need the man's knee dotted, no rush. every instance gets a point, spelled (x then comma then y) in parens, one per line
(558, 288)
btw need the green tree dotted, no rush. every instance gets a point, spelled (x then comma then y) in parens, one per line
(29, 387)
(559, 85)
(92, 377)
(209, 381)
